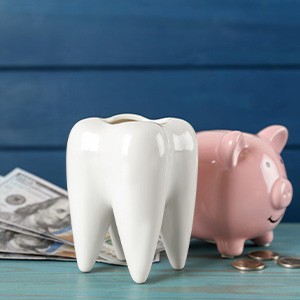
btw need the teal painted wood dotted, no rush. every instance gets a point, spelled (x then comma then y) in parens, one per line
(184, 33)
(206, 276)
(39, 108)
(50, 164)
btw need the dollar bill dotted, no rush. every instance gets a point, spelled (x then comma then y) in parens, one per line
(35, 209)
(107, 252)
(22, 230)
(16, 242)
(30, 232)
(20, 243)
(36, 205)
(123, 263)
(19, 256)
(21, 246)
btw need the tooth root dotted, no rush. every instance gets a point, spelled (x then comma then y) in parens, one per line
(139, 230)
(176, 230)
(90, 214)
(138, 215)
(179, 211)
(89, 224)
(115, 238)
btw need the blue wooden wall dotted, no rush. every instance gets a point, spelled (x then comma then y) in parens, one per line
(218, 64)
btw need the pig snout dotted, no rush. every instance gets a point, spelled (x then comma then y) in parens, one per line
(282, 193)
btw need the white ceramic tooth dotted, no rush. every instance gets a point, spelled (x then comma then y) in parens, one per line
(144, 173)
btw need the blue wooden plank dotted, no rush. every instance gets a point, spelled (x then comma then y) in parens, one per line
(134, 32)
(206, 276)
(39, 108)
(51, 166)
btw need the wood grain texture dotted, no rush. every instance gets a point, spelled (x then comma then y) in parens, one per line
(39, 108)
(155, 33)
(206, 276)
(218, 64)
(50, 164)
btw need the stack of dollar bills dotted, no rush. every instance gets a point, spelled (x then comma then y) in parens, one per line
(35, 221)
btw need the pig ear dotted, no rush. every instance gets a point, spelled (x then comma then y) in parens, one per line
(230, 148)
(276, 136)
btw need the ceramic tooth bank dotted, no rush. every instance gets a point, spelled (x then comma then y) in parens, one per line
(243, 189)
(138, 177)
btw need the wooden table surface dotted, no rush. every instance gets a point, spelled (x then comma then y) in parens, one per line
(206, 276)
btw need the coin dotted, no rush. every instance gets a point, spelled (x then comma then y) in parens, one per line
(248, 265)
(264, 255)
(289, 262)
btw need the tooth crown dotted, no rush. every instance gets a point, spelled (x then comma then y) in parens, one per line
(138, 177)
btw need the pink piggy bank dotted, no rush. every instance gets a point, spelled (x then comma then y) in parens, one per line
(243, 189)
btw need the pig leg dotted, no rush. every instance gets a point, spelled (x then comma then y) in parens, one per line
(230, 248)
(264, 240)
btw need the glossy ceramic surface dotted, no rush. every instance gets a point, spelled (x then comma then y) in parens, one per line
(243, 189)
(138, 177)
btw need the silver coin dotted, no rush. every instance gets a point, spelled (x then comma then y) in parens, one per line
(289, 262)
(264, 255)
(248, 265)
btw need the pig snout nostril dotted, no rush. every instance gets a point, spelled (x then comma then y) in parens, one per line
(285, 191)
(282, 193)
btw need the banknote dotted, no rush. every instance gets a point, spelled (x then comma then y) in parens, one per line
(18, 238)
(12, 227)
(18, 256)
(20, 245)
(35, 210)
(22, 230)
(106, 255)
(16, 242)
(123, 263)
(32, 203)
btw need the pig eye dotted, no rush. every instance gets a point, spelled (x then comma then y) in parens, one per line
(281, 160)
(268, 164)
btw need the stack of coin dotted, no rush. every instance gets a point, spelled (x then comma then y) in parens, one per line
(256, 264)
